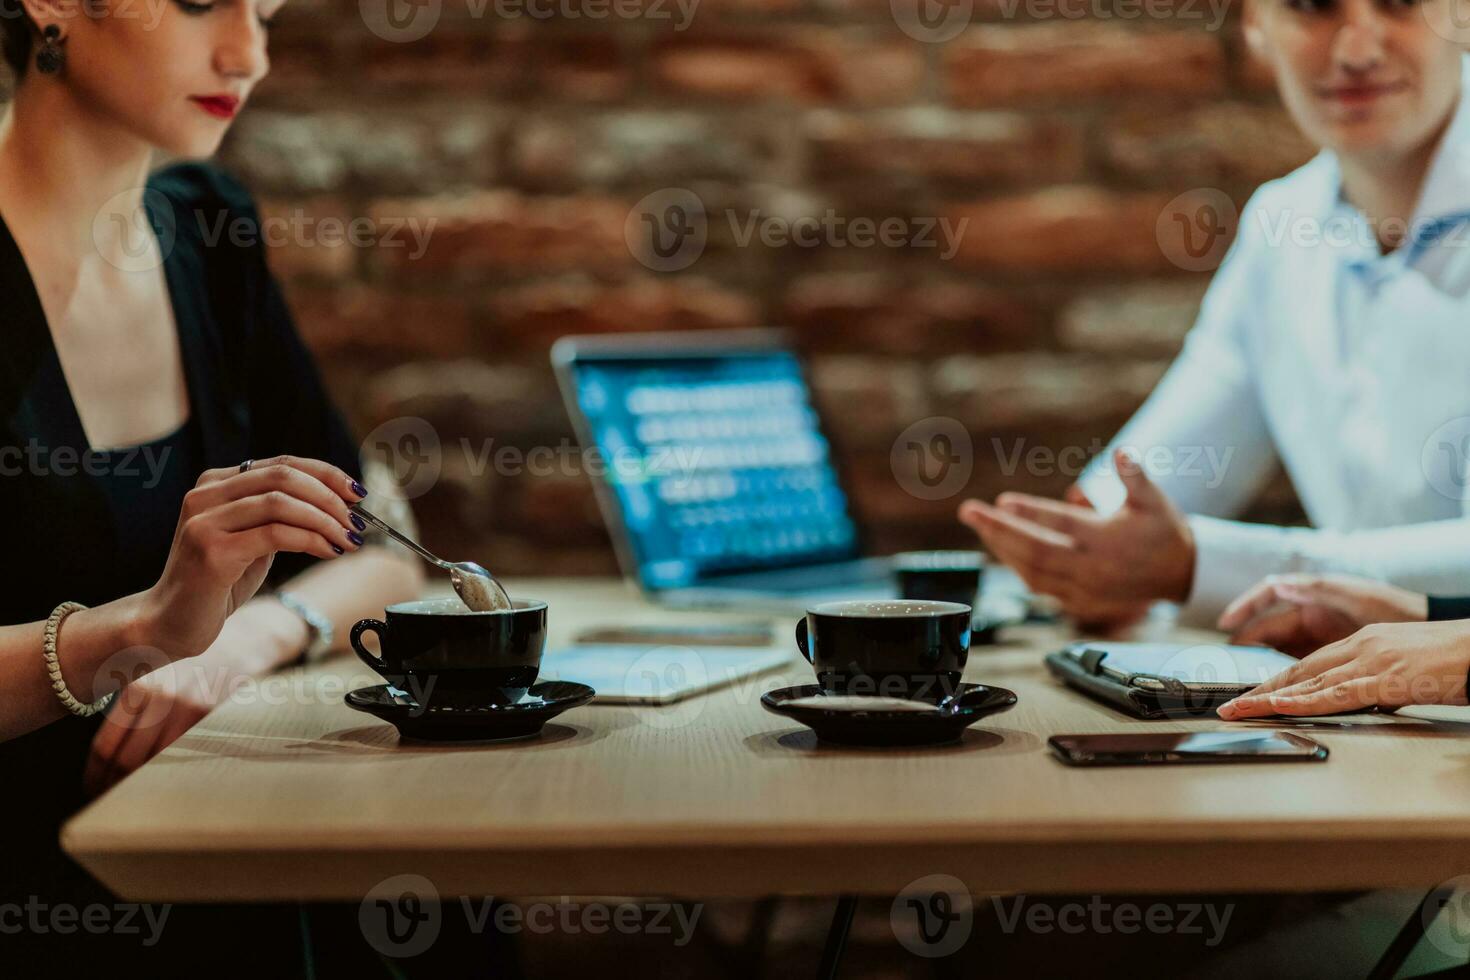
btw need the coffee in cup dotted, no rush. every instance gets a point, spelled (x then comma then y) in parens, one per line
(438, 649)
(887, 647)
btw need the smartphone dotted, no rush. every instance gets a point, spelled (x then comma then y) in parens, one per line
(1180, 748)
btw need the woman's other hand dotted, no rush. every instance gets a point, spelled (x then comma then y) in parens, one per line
(1388, 665)
(153, 711)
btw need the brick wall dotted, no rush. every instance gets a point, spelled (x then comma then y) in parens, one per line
(1062, 130)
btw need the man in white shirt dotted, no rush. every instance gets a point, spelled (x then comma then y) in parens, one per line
(1335, 338)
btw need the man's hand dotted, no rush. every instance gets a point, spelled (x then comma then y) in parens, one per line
(1301, 613)
(1102, 569)
(1385, 665)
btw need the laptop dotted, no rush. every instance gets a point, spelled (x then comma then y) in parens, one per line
(718, 482)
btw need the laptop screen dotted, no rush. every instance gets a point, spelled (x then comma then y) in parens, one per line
(717, 461)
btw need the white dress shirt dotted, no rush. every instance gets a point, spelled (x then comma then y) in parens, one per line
(1349, 366)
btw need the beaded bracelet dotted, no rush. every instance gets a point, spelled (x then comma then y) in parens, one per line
(53, 666)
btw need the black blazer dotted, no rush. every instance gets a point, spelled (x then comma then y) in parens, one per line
(253, 388)
(254, 392)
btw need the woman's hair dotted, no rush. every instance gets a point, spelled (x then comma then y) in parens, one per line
(15, 36)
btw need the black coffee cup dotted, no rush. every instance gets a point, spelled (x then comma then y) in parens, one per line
(887, 647)
(442, 653)
(944, 576)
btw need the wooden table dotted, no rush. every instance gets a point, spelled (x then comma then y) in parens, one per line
(288, 794)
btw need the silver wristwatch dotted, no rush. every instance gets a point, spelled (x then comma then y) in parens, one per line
(318, 627)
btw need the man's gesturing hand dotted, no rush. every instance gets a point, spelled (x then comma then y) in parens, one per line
(1101, 568)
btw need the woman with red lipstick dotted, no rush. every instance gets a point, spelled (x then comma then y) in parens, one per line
(219, 106)
(167, 445)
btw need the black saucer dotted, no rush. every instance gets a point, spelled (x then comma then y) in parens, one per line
(848, 727)
(445, 723)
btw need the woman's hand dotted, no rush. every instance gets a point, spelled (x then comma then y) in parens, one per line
(1301, 613)
(149, 715)
(230, 528)
(1385, 665)
(153, 711)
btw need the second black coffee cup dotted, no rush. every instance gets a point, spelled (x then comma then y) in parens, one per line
(887, 647)
(949, 576)
(444, 654)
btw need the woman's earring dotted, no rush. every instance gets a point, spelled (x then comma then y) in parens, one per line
(51, 57)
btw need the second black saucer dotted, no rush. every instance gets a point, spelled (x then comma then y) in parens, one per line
(914, 723)
(447, 723)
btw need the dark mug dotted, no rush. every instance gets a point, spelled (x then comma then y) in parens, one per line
(946, 576)
(887, 647)
(437, 650)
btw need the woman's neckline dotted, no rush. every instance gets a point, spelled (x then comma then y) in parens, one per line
(72, 422)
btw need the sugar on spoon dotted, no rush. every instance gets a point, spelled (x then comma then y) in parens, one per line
(475, 586)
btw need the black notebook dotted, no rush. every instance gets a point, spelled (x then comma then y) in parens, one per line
(1165, 680)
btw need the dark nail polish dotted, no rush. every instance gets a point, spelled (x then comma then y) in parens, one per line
(355, 538)
(359, 489)
(358, 522)
(337, 549)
